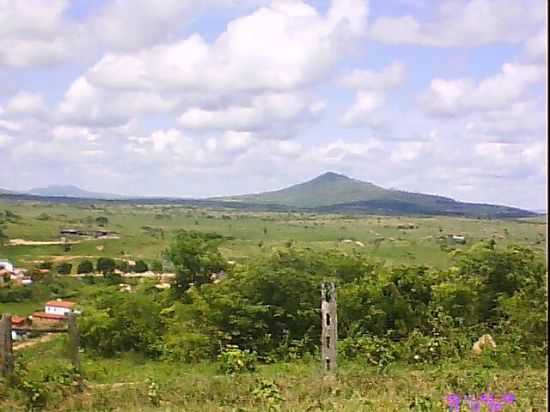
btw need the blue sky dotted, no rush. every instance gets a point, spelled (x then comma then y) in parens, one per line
(203, 98)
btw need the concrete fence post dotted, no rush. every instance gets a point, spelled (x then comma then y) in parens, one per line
(6, 347)
(329, 327)
(74, 346)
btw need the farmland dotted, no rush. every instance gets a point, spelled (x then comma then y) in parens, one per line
(409, 309)
(146, 230)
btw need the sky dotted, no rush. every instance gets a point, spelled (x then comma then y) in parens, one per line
(198, 98)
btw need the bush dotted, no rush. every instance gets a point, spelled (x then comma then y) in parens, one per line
(122, 265)
(376, 351)
(15, 294)
(234, 360)
(156, 266)
(45, 265)
(105, 265)
(140, 267)
(64, 268)
(85, 266)
(188, 347)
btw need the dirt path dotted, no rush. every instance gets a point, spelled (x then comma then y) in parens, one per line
(31, 342)
(23, 242)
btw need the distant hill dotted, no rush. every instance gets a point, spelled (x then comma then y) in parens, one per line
(70, 191)
(333, 192)
(328, 193)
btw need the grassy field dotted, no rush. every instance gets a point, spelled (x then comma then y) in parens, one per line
(133, 383)
(145, 231)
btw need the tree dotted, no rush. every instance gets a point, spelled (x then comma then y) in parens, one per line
(85, 266)
(102, 221)
(64, 268)
(156, 266)
(105, 265)
(122, 265)
(195, 256)
(140, 267)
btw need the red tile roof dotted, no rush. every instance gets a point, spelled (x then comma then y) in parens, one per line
(48, 316)
(17, 320)
(61, 304)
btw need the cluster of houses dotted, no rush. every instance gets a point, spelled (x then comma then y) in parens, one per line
(55, 314)
(9, 273)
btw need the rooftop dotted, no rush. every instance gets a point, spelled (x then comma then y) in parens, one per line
(61, 303)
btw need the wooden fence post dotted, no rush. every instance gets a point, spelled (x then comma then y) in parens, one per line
(74, 346)
(329, 331)
(6, 346)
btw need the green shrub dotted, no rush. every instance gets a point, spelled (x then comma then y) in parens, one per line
(85, 266)
(188, 346)
(234, 360)
(379, 352)
(268, 394)
(140, 267)
(156, 266)
(64, 268)
(105, 265)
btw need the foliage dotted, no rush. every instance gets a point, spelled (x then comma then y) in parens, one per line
(156, 266)
(140, 267)
(105, 265)
(195, 256)
(64, 268)
(14, 294)
(85, 266)
(234, 360)
(119, 322)
(268, 394)
(102, 221)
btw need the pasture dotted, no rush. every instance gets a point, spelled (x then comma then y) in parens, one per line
(145, 231)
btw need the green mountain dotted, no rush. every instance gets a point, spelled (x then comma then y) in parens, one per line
(332, 192)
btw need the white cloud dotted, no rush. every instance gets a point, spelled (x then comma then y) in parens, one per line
(464, 23)
(274, 113)
(462, 96)
(34, 32)
(26, 103)
(388, 78)
(134, 24)
(371, 89)
(237, 81)
(537, 47)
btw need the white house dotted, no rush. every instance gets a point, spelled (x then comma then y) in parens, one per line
(5, 264)
(59, 307)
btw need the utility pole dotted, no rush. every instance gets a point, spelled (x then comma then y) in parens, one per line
(329, 323)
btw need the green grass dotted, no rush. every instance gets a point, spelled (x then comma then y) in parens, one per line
(21, 308)
(121, 384)
(252, 233)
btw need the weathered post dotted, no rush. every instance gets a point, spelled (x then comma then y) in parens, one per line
(6, 346)
(74, 346)
(329, 331)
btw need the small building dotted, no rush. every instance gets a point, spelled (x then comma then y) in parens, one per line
(59, 307)
(457, 238)
(7, 265)
(18, 322)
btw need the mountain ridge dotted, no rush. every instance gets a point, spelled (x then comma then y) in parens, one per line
(329, 192)
(334, 192)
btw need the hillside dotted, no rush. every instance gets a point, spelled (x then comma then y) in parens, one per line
(332, 192)
(70, 191)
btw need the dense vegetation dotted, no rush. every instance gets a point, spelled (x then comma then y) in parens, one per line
(270, 306)
(246, 299)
